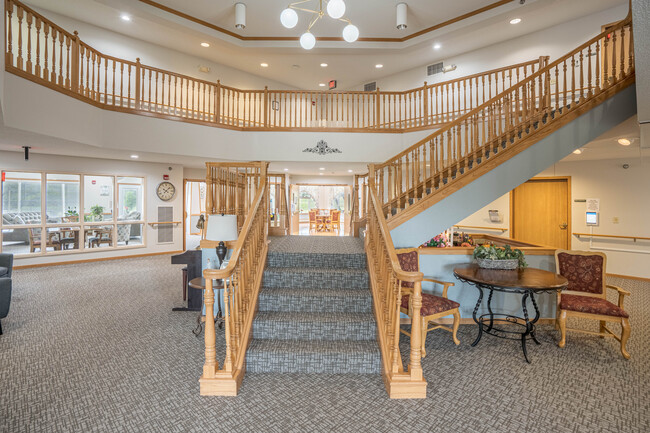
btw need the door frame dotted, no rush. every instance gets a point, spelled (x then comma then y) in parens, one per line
(569, 201)
(185, 181)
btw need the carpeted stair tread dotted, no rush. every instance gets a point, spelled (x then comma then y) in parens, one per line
(335, 357)
(315, 278)
(316, 260)
(315, 300)
(314, 326)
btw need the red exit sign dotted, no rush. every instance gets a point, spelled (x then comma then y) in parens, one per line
(332, 84)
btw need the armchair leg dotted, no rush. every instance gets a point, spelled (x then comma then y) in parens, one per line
(602, 328)
(0, 327)
(562, 322)
(455, 327)
(625, 325)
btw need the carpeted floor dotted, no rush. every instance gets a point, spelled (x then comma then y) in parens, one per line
(96, 348)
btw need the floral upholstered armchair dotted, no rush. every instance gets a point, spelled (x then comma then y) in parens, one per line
(586, 296)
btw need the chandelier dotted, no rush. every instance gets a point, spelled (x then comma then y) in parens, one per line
(335, 9)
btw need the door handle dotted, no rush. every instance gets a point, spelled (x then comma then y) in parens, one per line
(563, 226)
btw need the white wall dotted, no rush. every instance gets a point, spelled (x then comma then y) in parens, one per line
(341, 180)
(624, 195)
(153, 174)
(553, 41)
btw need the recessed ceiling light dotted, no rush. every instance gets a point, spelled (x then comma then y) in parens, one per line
(624, 142)
(125, 17)
(515, 21)
(577, 151)
(322, 168)
(205, 44)
(322, 84)
(264, 65)
(320, 174)
(349, 171)
(286, 169)
(135, 156)
(323, 65)
(379, 66)
(437, 46)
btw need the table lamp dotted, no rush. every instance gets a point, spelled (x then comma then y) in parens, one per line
(222, 228)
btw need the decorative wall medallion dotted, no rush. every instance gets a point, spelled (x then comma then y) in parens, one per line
(322, 148)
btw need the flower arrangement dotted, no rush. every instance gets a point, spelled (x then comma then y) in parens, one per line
(463, 240)
(440, 241)
(494, 253)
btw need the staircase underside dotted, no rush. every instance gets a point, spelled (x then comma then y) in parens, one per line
(509, 167)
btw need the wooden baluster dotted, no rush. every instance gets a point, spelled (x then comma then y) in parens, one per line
(630, 50)
(138, 84)
(37, 26)
(581, 72)
(28, 65)
(60, 78)
(53, 72)
(622, 68)
(614, 58)
(9, 56)
(19, 15)
(597, 68)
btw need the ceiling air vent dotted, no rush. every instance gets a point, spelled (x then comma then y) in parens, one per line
(434, 69)
(370, 87)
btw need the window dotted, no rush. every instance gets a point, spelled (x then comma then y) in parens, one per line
(79, 212)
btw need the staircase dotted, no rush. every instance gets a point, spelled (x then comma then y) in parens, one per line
(314, 309)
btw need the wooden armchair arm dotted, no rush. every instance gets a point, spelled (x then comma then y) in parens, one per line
(445, 285)
(621, 293)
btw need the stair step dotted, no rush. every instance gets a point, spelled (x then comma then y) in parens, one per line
(316, 260)
(315, 300)
(315, 278)
(330, 357)
(314, 326)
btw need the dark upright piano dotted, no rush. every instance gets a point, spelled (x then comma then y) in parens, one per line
(193, 260)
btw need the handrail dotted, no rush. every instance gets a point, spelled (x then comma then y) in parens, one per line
(386, 277)
(242, 279)
(555, 91)
(592, 235)
(39, 50)
(482, 228)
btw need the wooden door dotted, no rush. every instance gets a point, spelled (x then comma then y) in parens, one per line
(540, 212)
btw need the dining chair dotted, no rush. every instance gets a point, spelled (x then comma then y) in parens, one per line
(312, 220)
(335, 220)
(586, 296)
(433, 306)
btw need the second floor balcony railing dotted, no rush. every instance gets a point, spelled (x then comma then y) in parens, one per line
(39, 50)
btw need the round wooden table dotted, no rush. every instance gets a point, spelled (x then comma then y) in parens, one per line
(524, 281)
(199, 283)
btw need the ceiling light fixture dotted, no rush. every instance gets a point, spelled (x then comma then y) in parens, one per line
(125, 17)
(437, 46)
(335, 9)
(515, 21)
(135, 156)
(322, 168)
(401, 13)
(205, 44)
(624, 142)
(323, 65)
(321, 84)
(240, 16)
(286, 169)
(349, 171)
(379, 66)
(577, 151)
(264, 65)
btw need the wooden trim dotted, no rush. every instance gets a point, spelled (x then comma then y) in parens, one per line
(641, 238)
(211, 26)
(101, 259)
(482, 228)
(164, 222)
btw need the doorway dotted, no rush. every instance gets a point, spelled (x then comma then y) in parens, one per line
(193, 207)
(540, 212)
(330, 205)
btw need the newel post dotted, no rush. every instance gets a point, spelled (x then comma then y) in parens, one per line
(210, 366)
(74, 63)
(415, 368)
(425, 100)
(138, 84)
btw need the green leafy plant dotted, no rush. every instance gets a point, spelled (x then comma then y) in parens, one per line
(97, 212)
(492, 252)
(71, 212)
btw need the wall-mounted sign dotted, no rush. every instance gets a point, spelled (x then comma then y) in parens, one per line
(332, 84)
(593, 204)
(165, 177)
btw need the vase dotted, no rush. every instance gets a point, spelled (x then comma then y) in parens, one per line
(508, 264)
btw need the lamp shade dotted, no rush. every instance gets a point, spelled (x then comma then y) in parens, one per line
(350, 33)
(221, 228)
(307, 41)
(289, 18)
(336, 9)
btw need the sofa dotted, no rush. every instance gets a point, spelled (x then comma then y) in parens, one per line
(21, 218)
(6, 267)
(135, 231)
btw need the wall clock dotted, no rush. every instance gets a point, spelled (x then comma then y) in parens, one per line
(166, 191)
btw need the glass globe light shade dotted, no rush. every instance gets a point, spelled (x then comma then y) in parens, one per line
(350, 33)
(289, 18)
(307, 41)
(335, 9)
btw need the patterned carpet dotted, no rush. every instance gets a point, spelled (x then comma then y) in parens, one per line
(96, 348)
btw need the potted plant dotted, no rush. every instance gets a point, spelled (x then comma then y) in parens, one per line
(72, 215)
(493, 257)
(97, 213)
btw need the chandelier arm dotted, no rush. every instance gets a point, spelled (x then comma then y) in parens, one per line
(345, 20)
(291, 5)
(313, 21)
(304, 10)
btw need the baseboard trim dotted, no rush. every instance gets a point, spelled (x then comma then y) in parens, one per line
(99, 259)
(629, 277)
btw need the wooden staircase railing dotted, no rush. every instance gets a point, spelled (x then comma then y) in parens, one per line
(505, 125)
(242, 279)
(279, 224)
(39, 50)
(386, 277)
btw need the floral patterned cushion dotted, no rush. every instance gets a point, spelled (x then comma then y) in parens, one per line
(591, 305)
(432, 304)
(585, 273)
(408, 263)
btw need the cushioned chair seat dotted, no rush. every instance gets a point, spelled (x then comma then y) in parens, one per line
(4, 271)
(591, 305)
(432, 304)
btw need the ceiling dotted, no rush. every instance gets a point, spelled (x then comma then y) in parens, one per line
(350, 64)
